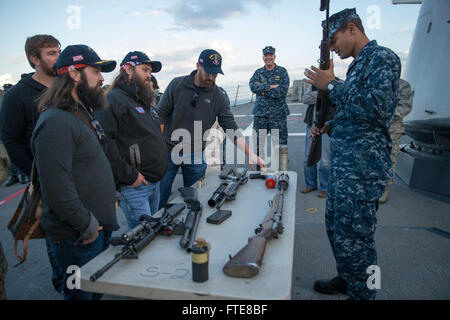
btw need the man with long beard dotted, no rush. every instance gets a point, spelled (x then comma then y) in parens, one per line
(76, 180)
(136, 147)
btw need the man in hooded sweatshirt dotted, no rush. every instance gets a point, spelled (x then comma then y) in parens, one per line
(19, 109)
(19, 113)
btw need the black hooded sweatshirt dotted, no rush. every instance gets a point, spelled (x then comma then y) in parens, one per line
(19, 115)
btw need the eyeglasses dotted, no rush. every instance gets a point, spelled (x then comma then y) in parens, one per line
(194, 99)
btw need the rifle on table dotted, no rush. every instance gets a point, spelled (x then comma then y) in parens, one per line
(323, 101)
(247, 262)
(190, 223)
(136, 239)
(227, 191)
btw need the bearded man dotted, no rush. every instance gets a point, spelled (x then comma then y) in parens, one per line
(20, 113)
(76, 180)
(136, 147)
(191, 104)
(20, 107)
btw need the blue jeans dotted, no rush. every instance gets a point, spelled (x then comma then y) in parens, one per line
(138, 201)
(191, 174)
(57, 272)
(324, 164)
(67, 253)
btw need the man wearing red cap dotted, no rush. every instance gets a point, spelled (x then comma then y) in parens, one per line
(76, 180)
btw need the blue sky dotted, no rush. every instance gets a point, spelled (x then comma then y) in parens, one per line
(176, 31)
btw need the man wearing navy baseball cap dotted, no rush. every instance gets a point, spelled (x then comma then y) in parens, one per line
(76, 180)
(136, 147)
(192, 103)
(270, 84)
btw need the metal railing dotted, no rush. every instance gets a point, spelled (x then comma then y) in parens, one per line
(239, 94)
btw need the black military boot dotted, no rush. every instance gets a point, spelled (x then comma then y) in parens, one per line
(11, 181)
(333, 286)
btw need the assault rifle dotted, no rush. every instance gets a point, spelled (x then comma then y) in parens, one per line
(226, 192)
(323, 101)
(190, 223)
(136, 239)
(247, 262)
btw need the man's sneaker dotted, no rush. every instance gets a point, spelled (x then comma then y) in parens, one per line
(322, 194)
(333, 286)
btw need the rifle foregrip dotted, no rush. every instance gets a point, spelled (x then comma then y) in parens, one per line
(247, 262)
(145, 241)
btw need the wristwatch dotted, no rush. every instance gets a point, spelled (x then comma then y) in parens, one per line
(330, 85)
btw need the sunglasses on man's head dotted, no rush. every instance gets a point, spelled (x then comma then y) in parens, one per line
(194, 99)
(99, 129)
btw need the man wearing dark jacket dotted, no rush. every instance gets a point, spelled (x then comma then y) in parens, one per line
(20, 113)
(136, 147)
(20, 102)
(190, 106)
(76, 180)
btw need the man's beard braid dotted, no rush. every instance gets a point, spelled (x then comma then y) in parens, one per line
(144, 92)
(91, 97)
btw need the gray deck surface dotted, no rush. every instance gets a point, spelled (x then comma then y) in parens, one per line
(412, 239)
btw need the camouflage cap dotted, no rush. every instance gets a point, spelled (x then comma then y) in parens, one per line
(339, 19)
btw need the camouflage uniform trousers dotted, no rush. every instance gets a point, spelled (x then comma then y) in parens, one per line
(3, 270)
(396, 131)
(271, 123)
(350, 225)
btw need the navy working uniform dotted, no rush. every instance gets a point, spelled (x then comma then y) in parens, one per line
(360, 157)
(270, 110)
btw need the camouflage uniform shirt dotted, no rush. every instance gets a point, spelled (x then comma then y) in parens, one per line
(404, 106)
(270, 102)
(360, 140)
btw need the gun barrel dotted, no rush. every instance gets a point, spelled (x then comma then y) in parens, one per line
(188, 223)
(217, 195)
(194, 231)
(105, 268)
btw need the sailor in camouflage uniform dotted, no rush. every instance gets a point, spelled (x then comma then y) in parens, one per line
(360, 150)
(3, 270)
(404, 106)
(270, 84)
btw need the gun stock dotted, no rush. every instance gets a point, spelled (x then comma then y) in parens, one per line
(323, 101)
(247, 262)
